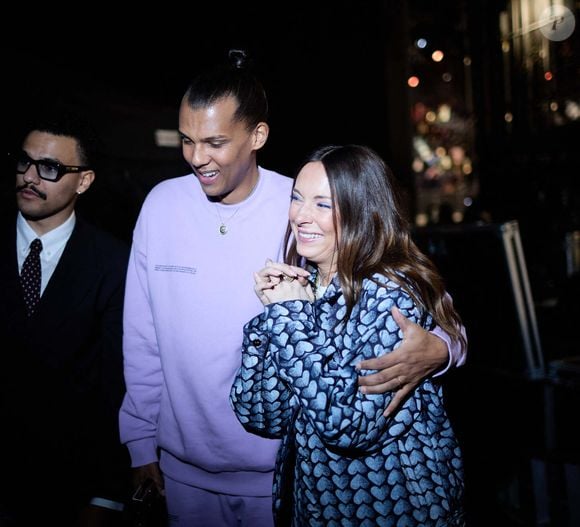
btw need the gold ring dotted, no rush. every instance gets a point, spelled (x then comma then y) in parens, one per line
(288, 278)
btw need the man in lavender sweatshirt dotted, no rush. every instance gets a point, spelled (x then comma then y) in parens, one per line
(197, 242)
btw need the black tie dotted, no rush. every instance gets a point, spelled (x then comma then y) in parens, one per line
(30, 276)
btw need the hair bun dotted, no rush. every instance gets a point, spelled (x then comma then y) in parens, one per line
(238, 57)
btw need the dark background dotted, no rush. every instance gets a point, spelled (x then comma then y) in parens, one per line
(336, 72)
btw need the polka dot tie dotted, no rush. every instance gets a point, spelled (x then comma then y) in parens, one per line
(30, 276)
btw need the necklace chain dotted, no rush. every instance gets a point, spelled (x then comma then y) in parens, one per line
(223, 229)
(319, 289)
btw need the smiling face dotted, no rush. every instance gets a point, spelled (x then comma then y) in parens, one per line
(220, 149)
(42, 214)
(311, 218)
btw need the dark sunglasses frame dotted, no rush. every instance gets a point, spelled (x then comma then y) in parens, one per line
(61, 170)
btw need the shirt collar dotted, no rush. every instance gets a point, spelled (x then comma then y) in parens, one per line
(52, 241)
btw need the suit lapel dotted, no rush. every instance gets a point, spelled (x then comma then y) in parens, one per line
(72, 278)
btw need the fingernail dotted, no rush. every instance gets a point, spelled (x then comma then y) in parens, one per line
(362, 389)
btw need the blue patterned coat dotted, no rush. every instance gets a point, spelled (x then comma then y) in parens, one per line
(341, 462)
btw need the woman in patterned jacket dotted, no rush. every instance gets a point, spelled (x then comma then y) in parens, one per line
(341, 461)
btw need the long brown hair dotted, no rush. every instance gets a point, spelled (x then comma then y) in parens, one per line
(374, 235)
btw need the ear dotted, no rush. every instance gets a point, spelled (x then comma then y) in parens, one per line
(260, 135)
(85, 181)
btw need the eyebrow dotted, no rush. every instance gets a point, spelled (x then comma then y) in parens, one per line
(319, 196)
(45, 159)
(205, 139)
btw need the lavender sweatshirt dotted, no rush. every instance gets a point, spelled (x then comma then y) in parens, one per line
(189, 292)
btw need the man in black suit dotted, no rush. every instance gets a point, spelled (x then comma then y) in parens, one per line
(61, 373)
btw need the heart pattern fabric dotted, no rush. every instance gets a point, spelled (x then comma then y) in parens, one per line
(341, 463)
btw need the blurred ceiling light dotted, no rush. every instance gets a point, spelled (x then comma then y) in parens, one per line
(446, 163)
(413, 81)
(437, 55)
(421, 219)
(572, 110)
(457, 216)
(418, 165)
(444, 113)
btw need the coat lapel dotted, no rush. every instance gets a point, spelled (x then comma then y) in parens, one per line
(72, 278)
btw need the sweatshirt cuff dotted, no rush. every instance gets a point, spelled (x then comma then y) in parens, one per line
(142, 451)
(453, 349)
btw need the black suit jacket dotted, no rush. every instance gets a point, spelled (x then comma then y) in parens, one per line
(61, 375)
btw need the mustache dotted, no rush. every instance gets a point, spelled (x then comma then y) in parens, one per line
(39, 193)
